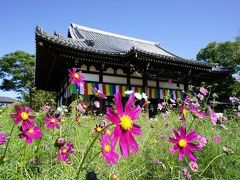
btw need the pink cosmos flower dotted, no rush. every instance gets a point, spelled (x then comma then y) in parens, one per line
(200, 96)
(203, 90)
(80, 107)
(96, 104)
(201, 140)
(183, 112)
(160, 106)
(124, 121)
(233, 99)
(213, 116)
(98, 93)
(217, 139)
(3, 137)
(238, 114)
(193, 166)
(195, 109)
(51, 122)
(23, 114)
(183, 143)
(186, 174)
(65, 152)
(76, 77)
(33, 133)
(108, 149)
(46, 108)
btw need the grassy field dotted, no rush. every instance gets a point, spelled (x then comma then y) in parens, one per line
(153, 161)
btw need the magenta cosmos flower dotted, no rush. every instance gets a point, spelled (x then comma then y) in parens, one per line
(195, 109)
(213, 116)
(108, 149)
(183, 112)
(3, 137)
(23, 114)
(124, 121)
(193, 166)
(203, 90)
(183, 143)
(33, 133)
(98, 93)
(51, 122)
(76, 77)
(65, 152)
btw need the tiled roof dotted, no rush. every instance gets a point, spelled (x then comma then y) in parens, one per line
(113, 43)
(102, 42)
(4, 99)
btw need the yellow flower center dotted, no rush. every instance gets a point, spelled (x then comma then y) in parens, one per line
(53, 120)
(107, 148)
(64, 151)
(184, 112)
(99, 129)
(30, 131)
(182, 143)
(126, 122)
(76, 75)
(24, 115)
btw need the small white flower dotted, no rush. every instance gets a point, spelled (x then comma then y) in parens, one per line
(138, 96)
(129, 92)
(144, 96)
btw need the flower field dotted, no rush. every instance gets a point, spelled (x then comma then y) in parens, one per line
(188, 139)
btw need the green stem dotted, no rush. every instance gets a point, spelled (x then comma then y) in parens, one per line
(86, 153)
(5, 151)
(88, 150)
(191, 124)
(211, 163)
(94, 158)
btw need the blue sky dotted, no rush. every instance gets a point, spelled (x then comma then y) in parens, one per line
(182, 27)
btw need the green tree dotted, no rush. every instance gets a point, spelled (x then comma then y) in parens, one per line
(17, 74)
(225, 54)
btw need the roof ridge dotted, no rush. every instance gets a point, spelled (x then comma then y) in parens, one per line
(73, 25)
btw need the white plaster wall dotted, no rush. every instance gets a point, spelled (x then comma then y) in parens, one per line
(136, 81)
(113, 79)
(91, 77)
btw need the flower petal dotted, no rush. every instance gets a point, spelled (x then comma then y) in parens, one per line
(129, 104)
(118, 103)
(135, 113)
(136, 130)
(124, 145)
(183, 132)
(131, 142)
(191, 136)
(189, 153)
(112, 116)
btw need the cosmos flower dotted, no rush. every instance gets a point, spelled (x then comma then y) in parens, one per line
(3, 137)
(183, 112)
(96, 104)
(98, 93)
(76, 77)
(183, 143)
(200, 96)
(65, 151)
(213, 116)
(125, 126)
(193, 166)
(160, 106)
(23, 115)
(201, 140)
(144, 96)
(233, 99)
(217, 139)
(51, 122)
(186, 174)
(195, 110)
(108, 149)
(33, 133)
(203, 90)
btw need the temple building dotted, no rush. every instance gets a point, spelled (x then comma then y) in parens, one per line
(113, 62)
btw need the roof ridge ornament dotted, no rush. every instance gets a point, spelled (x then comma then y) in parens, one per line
(39, 29)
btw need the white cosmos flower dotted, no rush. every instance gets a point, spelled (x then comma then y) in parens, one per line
(129, 92)
(138, 96)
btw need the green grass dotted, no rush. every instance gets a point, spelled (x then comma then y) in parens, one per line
(153, 145)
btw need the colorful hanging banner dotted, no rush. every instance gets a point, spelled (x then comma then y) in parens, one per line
(111, 89)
